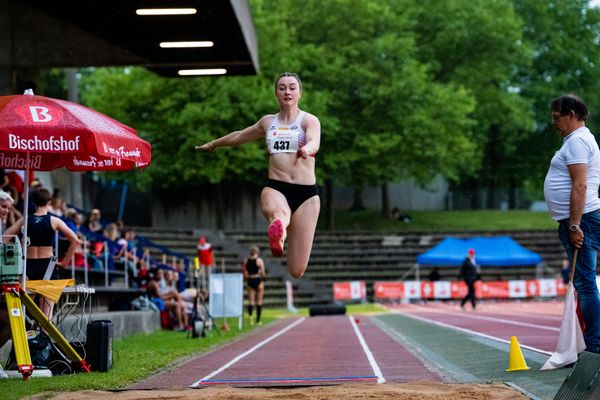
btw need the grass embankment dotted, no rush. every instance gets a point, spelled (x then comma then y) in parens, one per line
(141, 355)
(480, 220)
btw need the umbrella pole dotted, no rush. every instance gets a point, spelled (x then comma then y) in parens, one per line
(25, 218)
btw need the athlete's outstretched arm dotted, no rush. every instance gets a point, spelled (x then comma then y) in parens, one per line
(253, 132)
(313, 137)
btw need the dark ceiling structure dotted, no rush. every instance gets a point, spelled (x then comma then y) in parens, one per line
(45, 34)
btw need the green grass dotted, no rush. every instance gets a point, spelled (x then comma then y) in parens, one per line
(490, 220)
(139, 356)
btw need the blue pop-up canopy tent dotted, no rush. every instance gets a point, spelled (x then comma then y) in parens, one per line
(489, 251)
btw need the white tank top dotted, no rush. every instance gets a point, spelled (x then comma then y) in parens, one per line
(285, 138)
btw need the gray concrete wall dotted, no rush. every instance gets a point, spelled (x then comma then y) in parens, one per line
(124, 323)
(238, 208)
(406, 196)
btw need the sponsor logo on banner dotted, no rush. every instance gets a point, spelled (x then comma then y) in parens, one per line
(442, 290)
(459, 289)
(388, 290)
(412, 290)
(36, 143)
(93, 162)
(89, 163)
(121, 152)
(18, 161)
(355, 290)
(517, 289)
(427, 290)
(39, 114)
(533, 288)
(548, 287)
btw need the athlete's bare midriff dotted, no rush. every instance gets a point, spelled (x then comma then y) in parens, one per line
(39, 252)
(287, 167)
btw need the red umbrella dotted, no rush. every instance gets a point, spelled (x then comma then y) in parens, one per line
(42, 134)
(57, 133)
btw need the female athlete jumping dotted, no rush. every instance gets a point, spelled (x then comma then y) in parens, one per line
(290, 201)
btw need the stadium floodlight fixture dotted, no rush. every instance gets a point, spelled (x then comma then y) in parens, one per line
(166, 11)
(181, 45)
(204, 71)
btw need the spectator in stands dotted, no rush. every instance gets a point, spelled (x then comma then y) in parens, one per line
(290, 201)
(57, 205)
(111, 232)
(8, 213)
(468, 272)
(434, 275)
(126, 254)
(144, 269)
(176, 281)
(73, 220)
(571, 193)
(254, 272)
(93, 221)
(396, 215)
(205, 252)
(4, 182)
(154, 296)
(34, 184)
(16, 186)
(41, 229)
(172, 299)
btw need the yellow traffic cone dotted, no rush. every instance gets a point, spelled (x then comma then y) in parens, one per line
(516, 359)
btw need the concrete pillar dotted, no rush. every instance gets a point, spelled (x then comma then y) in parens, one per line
(7, 76)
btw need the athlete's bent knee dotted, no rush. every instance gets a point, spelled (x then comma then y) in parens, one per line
(297, 275)
(297, 272)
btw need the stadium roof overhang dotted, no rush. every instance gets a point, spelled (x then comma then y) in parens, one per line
(45, 34)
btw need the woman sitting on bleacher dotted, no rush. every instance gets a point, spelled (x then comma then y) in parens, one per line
(171, 297)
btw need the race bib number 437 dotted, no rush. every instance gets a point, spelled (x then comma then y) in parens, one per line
(282, 141)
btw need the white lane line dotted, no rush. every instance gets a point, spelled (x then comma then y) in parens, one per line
(494, 319)
(507, 321)
(361, 339)
(253, 349)
(457, 328)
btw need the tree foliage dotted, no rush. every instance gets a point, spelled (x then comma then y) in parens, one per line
(383, 115)
(403, 89)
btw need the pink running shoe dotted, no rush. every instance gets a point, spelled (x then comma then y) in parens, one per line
(275, 233)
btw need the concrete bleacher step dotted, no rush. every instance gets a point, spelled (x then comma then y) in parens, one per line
(348, 255)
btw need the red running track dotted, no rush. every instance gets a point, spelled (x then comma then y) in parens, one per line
(308, 351)
(536, 324)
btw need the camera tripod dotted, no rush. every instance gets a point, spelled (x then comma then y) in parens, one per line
(11, 267)
(16, 297)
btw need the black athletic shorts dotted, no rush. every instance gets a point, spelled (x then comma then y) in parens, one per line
(254, 283)
(294, 194)
(36, 269)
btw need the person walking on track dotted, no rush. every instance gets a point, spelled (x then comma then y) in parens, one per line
(468, 272)
(254, 271)
(290, 201)
(571, 193)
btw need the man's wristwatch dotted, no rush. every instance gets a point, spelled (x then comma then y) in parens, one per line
(573, 227)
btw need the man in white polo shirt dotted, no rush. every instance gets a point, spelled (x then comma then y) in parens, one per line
(571, 192)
